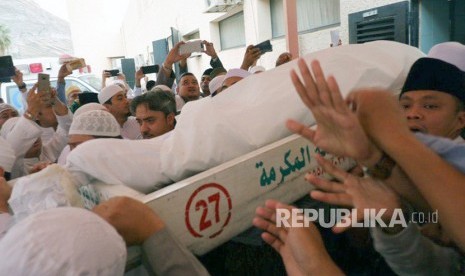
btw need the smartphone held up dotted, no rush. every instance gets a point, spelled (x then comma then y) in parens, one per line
(150, 69)
(75, 64)
(264, 47)
(194, 46)
(7, 69)
(43, 83)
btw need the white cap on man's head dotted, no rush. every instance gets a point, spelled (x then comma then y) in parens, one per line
(62, 241)
(95, 123)
(108, 92)
(237, 72)
(89, 107)
(216, 83)
(451, 52)
(7, 155)
(4, 106)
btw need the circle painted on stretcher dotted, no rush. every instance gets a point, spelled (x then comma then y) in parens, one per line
(208, 211)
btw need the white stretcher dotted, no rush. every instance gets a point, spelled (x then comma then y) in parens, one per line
(210, 208)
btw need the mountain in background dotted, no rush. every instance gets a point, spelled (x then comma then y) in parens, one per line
(34, 32)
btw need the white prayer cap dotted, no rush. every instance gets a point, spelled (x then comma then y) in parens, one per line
(120, 83)
(257, 69)
(162, 87)
(4, 106)
(216, 83)
(96, 123)
(8, 127)
(89, 107)
(108, 92)
(62, 241)
(237, 72)
(7, 155)
(451, 52)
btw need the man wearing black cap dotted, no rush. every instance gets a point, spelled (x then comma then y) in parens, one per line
(433, 98)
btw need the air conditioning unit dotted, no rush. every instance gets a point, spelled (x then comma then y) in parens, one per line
(221, 5)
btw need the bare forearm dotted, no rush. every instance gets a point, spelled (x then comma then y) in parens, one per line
(440, 184)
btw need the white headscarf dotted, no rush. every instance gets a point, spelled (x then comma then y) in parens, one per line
(62, 241)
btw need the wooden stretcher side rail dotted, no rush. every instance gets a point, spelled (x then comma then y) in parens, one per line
(212, 207)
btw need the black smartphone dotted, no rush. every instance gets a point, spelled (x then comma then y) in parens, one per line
(113, 72)
(150, 69)
(265, 46)
(7, 69)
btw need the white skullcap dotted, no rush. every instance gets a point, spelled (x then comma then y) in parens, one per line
(89, 107)
(62, 241)
(120, 83)
(257, 69)
(4, 106)
(237, 73)
(108, 92)
(8, 127)
(162, 87)
(216, 83)
(451, 52)
(7, 155)
(96, 123)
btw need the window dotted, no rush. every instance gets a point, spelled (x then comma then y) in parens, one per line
(232, 32)
(311, 14)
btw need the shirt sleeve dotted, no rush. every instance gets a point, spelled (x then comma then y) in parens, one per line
(137, 91)
(23, 136)
(61, 92)
(167, 256)
(51, 149)
(166, 80)
(410, 253)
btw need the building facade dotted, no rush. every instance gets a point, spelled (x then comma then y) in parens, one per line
(233, 24)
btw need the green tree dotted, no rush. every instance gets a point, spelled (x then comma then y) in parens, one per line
(5, 40)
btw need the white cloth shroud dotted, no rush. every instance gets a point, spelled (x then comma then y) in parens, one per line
(243, 118)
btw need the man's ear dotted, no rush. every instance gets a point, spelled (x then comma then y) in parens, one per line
(461, 119)
(170, 119)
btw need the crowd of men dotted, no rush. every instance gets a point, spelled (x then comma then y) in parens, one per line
(410, 149)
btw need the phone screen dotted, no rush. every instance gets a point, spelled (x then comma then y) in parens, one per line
(7, 69)
(113, 73)
(264, 47)
(150, 69)
(191, 47)
(43, 83)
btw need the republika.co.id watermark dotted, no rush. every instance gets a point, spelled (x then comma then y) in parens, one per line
(351, 218)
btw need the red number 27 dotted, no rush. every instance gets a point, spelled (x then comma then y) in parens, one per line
(204, 222)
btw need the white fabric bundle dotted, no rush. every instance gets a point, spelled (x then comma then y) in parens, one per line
(252, 113)
(62, 241)
(50, 188)
(242, 118)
